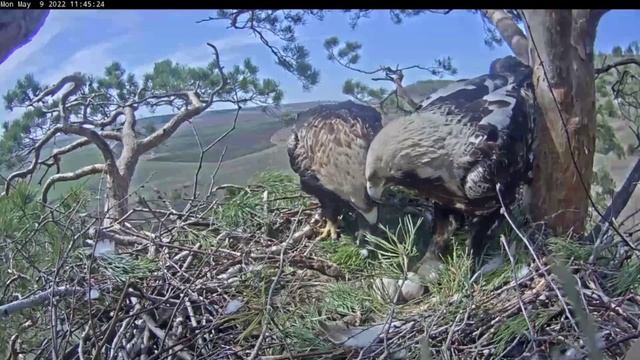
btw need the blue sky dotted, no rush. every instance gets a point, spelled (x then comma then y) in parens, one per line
(89, 40)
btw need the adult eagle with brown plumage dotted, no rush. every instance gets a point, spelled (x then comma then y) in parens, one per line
(464, 140)
(328, 152)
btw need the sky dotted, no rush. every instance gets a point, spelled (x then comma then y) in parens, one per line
(88, 40)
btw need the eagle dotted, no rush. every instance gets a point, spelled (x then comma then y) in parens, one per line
(328, 152)
(462, 141)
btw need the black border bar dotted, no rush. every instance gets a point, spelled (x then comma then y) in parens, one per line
(253, 4)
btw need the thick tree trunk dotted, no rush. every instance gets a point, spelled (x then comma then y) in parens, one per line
(117, 203)
(119, 180)
(564, 40)
(116, 207)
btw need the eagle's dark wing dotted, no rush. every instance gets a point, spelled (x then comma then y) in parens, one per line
(465, 91)
(330, 150)
(502, 148)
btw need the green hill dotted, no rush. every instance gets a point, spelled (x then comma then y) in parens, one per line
(418, 91)
(171, 166)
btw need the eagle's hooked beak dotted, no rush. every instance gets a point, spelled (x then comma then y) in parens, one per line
(375, 192)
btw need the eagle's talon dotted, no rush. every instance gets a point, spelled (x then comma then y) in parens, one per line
(330, 230)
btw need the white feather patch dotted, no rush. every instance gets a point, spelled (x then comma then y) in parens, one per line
(489, 84)
(500, 117)
(371, 216)
(446, 91)
(477, 138)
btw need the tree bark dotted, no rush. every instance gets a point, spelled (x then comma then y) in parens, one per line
(510, 32)
(564, 40)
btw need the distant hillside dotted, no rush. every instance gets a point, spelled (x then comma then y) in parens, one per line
(252, 134)
(418, 91)
(213, 114)
(170, 167)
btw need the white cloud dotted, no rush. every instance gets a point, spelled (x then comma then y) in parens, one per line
(91, 60)
(240, 40)
(230, 48)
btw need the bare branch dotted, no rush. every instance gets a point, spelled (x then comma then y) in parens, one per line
(627, 61)
(170, 127)
(510, 32)
(109, 121)
(169, 97)
(223, 77)
(76, 80)
(38, 300)
(620, 200)
(386, 70)
(196, 108)
(203, 150)
(402, 92)
(394, 75)
(95, 138)
(36, 158)
(78, 174)
(110, 135)
(280, 23)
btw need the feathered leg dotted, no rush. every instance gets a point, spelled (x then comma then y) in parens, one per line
(367, 224)
(330, 213)
(329, 205)
(444, 224)
(483, 230)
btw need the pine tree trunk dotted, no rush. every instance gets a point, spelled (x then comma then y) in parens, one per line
(564, 40)
(117, 201)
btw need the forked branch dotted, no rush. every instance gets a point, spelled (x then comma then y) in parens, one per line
(36, 158)
(196, 106)
(623, 62)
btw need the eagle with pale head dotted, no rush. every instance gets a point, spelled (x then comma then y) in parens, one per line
(328, 152)
(462, 141)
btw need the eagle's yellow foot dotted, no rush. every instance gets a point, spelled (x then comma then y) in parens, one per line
(330, 229)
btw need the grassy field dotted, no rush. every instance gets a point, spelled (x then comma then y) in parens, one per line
(251, 135)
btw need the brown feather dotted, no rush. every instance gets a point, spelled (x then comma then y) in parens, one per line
(332, 146)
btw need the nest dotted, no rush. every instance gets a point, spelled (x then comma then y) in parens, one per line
(193, 290)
